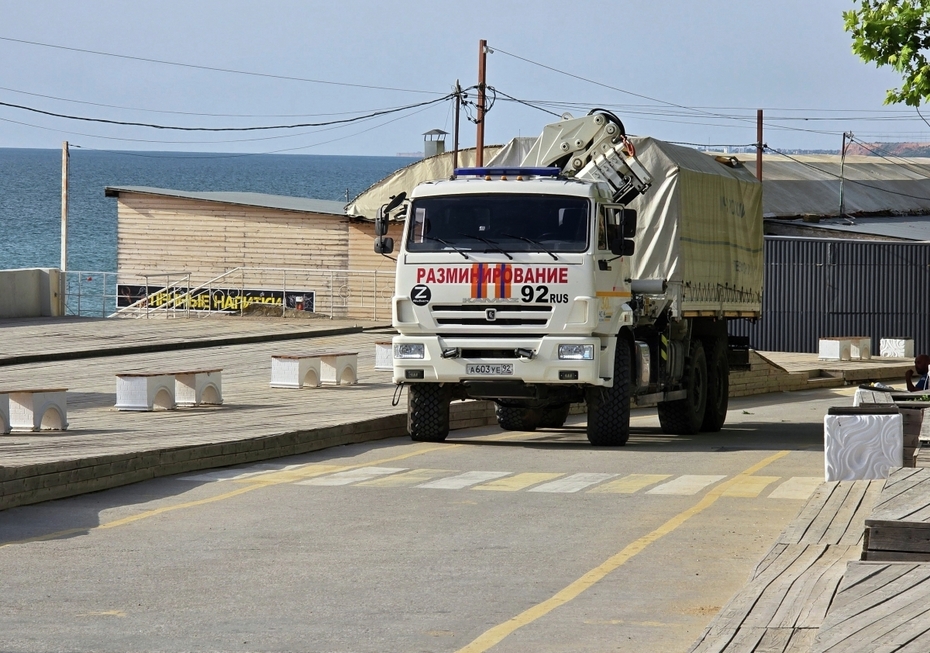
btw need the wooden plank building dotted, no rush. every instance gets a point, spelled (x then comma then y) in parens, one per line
(273, 241)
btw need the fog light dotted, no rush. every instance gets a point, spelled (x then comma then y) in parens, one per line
(568, 375)
(409, 350)
(413, 374)
(576, 352)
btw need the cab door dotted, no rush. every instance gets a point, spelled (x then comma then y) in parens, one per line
(611, 270)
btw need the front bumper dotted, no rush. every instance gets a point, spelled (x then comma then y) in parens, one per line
(543, 367)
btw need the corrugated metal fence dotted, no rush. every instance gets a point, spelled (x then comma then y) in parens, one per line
(817, 288)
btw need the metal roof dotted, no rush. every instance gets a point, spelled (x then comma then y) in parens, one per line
(261, 200)
(799, 185)
(914, 227)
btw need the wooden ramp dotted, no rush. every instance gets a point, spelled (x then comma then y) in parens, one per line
(880, 607)
(899, 527)
(791, 589)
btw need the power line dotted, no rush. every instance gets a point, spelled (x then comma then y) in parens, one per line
(596, 83)
(226, 129)
(189, 113)
(213, 68)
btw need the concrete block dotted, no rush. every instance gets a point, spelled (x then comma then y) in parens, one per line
(862, 446)
(199, 387)
(295, 371)
(39, 410)
(897, 347)
(837, 349)
(860, 348)
(339, 369)
(384, 356)
(4, 414)
(145, 392)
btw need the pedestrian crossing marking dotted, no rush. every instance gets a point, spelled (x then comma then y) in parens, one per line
(322, 474)
(687, 484)
(242, 473)
(797, 487)
(629, 484)
(352, 476)
(573, 483)
(406, 479)
(749, 487)
(463, 480)
(518, 482)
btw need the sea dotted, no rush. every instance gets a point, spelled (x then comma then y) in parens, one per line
(30, 193)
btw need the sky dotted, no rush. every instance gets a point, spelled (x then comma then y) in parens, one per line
(687, 71)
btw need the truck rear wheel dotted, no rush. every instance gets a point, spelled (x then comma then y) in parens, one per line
(553, 417)
(428, 412)
(517, 418)
(685, 416)
(718, 386)
(609, 408)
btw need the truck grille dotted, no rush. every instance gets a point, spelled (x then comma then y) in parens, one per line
(530, 315)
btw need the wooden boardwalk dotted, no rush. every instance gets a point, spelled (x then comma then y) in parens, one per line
(790, 591)
(251, 408)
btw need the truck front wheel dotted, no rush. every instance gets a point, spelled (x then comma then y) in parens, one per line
(609, 408)
(685, 416)
(428, 412)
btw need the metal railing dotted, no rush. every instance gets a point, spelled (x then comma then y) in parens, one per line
(334, 293)
(90, 293)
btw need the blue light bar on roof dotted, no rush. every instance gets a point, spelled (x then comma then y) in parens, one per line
(499, 172)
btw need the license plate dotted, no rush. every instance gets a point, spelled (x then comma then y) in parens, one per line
(490, 370)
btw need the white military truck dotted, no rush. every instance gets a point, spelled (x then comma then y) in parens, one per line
(600, 269)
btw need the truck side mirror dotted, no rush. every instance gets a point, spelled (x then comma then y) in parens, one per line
(384, 245)
(628, 222)
(622, 247)
(381, 225)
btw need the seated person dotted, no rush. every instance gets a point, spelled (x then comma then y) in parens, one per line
(921, 364)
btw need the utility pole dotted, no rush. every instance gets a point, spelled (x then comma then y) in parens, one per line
(62, 284)
(846, 135)
(482, 97)
(65, 159)
(458, 106)
(759, 145)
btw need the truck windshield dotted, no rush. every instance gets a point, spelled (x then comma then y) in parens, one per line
(495, 223)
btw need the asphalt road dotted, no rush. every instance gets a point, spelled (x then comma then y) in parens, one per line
(492, 541)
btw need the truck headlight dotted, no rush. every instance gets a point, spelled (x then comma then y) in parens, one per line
(576, 352)
(409, 350)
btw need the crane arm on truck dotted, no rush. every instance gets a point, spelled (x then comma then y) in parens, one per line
(592, 148)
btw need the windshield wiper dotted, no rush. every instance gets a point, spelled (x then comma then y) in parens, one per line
(533, 242)
(449, 245)
(491, 243)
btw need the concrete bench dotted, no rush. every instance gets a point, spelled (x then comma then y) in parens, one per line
(145, 391)
(845, 348)
(42, 409)
(314, 369)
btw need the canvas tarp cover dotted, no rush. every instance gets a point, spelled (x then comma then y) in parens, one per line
(699, 228)
(366, 205)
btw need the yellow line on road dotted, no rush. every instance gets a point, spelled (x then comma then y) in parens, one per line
(493, 636)
(274, 478)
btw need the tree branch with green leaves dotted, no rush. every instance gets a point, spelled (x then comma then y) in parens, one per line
(895, 33)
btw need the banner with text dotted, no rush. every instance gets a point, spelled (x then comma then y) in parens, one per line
(214, 299)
